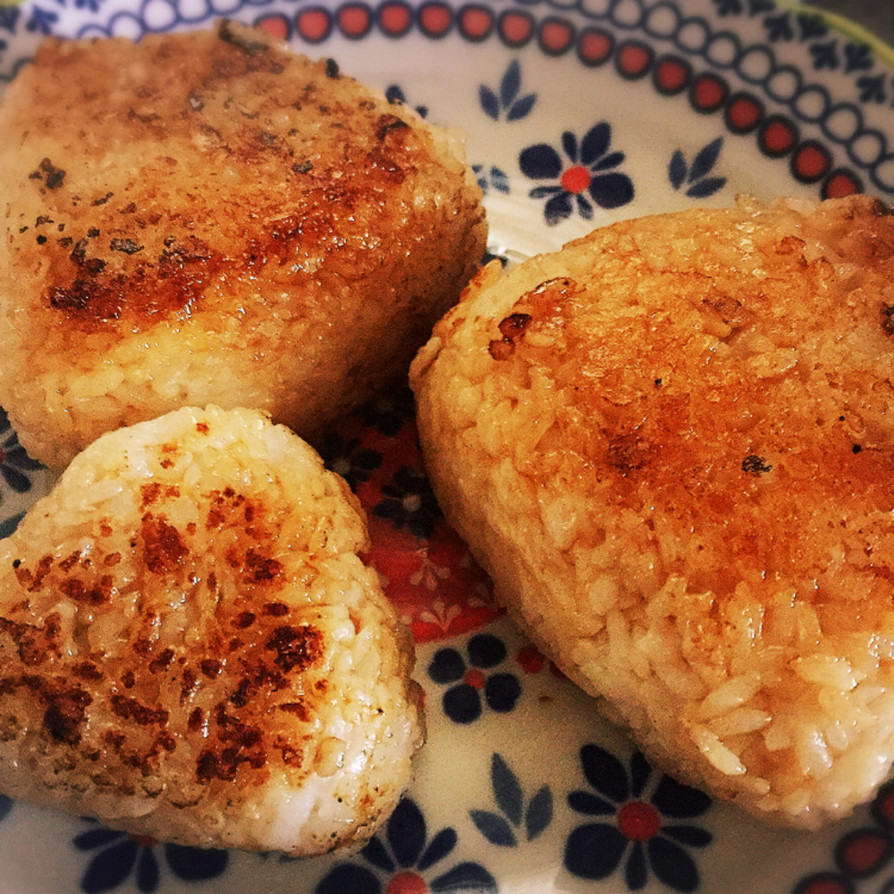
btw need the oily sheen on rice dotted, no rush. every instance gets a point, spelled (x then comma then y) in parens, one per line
(208, 217)
(671, 445)
(192, 649)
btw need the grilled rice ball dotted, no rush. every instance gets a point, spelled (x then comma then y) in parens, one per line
(672, 446)
(207, 217)
(191, 648)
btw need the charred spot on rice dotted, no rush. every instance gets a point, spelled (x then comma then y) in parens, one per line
(219, 220)
(192, 649)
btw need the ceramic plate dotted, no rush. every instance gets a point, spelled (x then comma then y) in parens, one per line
(578, 112)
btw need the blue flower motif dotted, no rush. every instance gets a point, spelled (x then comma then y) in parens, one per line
(638, 834)
(491, 178)
(506, 98)
(858, 57)
(349, 458)
(503, 827)
(825, 55)
(42, 20)
(14, 462)
(389, 412)
(9, 16)
(409, 500)
(728, 7)
(462, 701)
(395, 94)
(872, 89)
(695, 176)
(400, 864)
(5, 806)
(779, 27)
(118, 855)
(585, 176)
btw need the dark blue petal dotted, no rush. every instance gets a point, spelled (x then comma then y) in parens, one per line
(639, 773)
(468, 878)
(489, 102)
(147, 871)
(706, 187)
(612, 160)
(677, 169)
(569, 145)
(507, 790)
(447, 666)
(390, 510)
(395, 93)
(557, 209)
(590, 805)
(596, 142)
(10, 524)
(97, 836)
(499, 180)
(693, 836)
(539, 813)
(375, 852)
(611, 190)
(501, 691)
(17, 457)
(494, 828)
(15, 479)
(584, 208)
(5, 806)
(594, 851)
(605, 773)
(522, 108)
(194, 864)
(705, 160)
(510, 84)
(541, 192)
(441, 845)
(421, 525)
(679, 801)
(672, 865)
(110, 867)
(636, 873)
(486, 650)
(462, 704)
(540, 162)
(406, 833)
(346, 878)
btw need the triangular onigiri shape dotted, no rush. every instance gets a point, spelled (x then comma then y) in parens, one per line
(191, 648)
(671, 446)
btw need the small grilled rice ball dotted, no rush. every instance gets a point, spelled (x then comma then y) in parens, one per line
(191, 649)
(207, 217)
(672, 446)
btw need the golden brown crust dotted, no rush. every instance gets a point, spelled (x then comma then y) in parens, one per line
(216, 191)
(192, 649)
(671, 445)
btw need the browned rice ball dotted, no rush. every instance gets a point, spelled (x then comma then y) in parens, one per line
(672, 446)
(192, 649)
(209, 217)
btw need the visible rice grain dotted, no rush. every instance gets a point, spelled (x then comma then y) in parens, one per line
(293, 263)
(250, 682)
(671, 445)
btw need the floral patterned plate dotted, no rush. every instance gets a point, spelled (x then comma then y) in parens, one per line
(578, 112)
